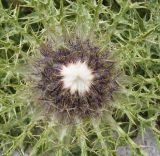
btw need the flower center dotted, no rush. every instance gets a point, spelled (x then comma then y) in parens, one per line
(77, 77)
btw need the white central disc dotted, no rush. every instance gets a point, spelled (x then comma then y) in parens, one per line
(77, 77)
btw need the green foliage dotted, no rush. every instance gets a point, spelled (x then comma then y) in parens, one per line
(129, 29)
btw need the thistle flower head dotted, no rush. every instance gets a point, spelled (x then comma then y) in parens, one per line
(75, 80)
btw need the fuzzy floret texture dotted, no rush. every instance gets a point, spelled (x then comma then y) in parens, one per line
(77, 77)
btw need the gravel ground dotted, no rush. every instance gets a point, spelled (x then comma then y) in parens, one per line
(148, 144)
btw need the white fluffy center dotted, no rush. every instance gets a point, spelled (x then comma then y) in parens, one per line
(77, 77)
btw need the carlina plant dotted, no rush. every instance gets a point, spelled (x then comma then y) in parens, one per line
(78, 78)
(74, 85)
